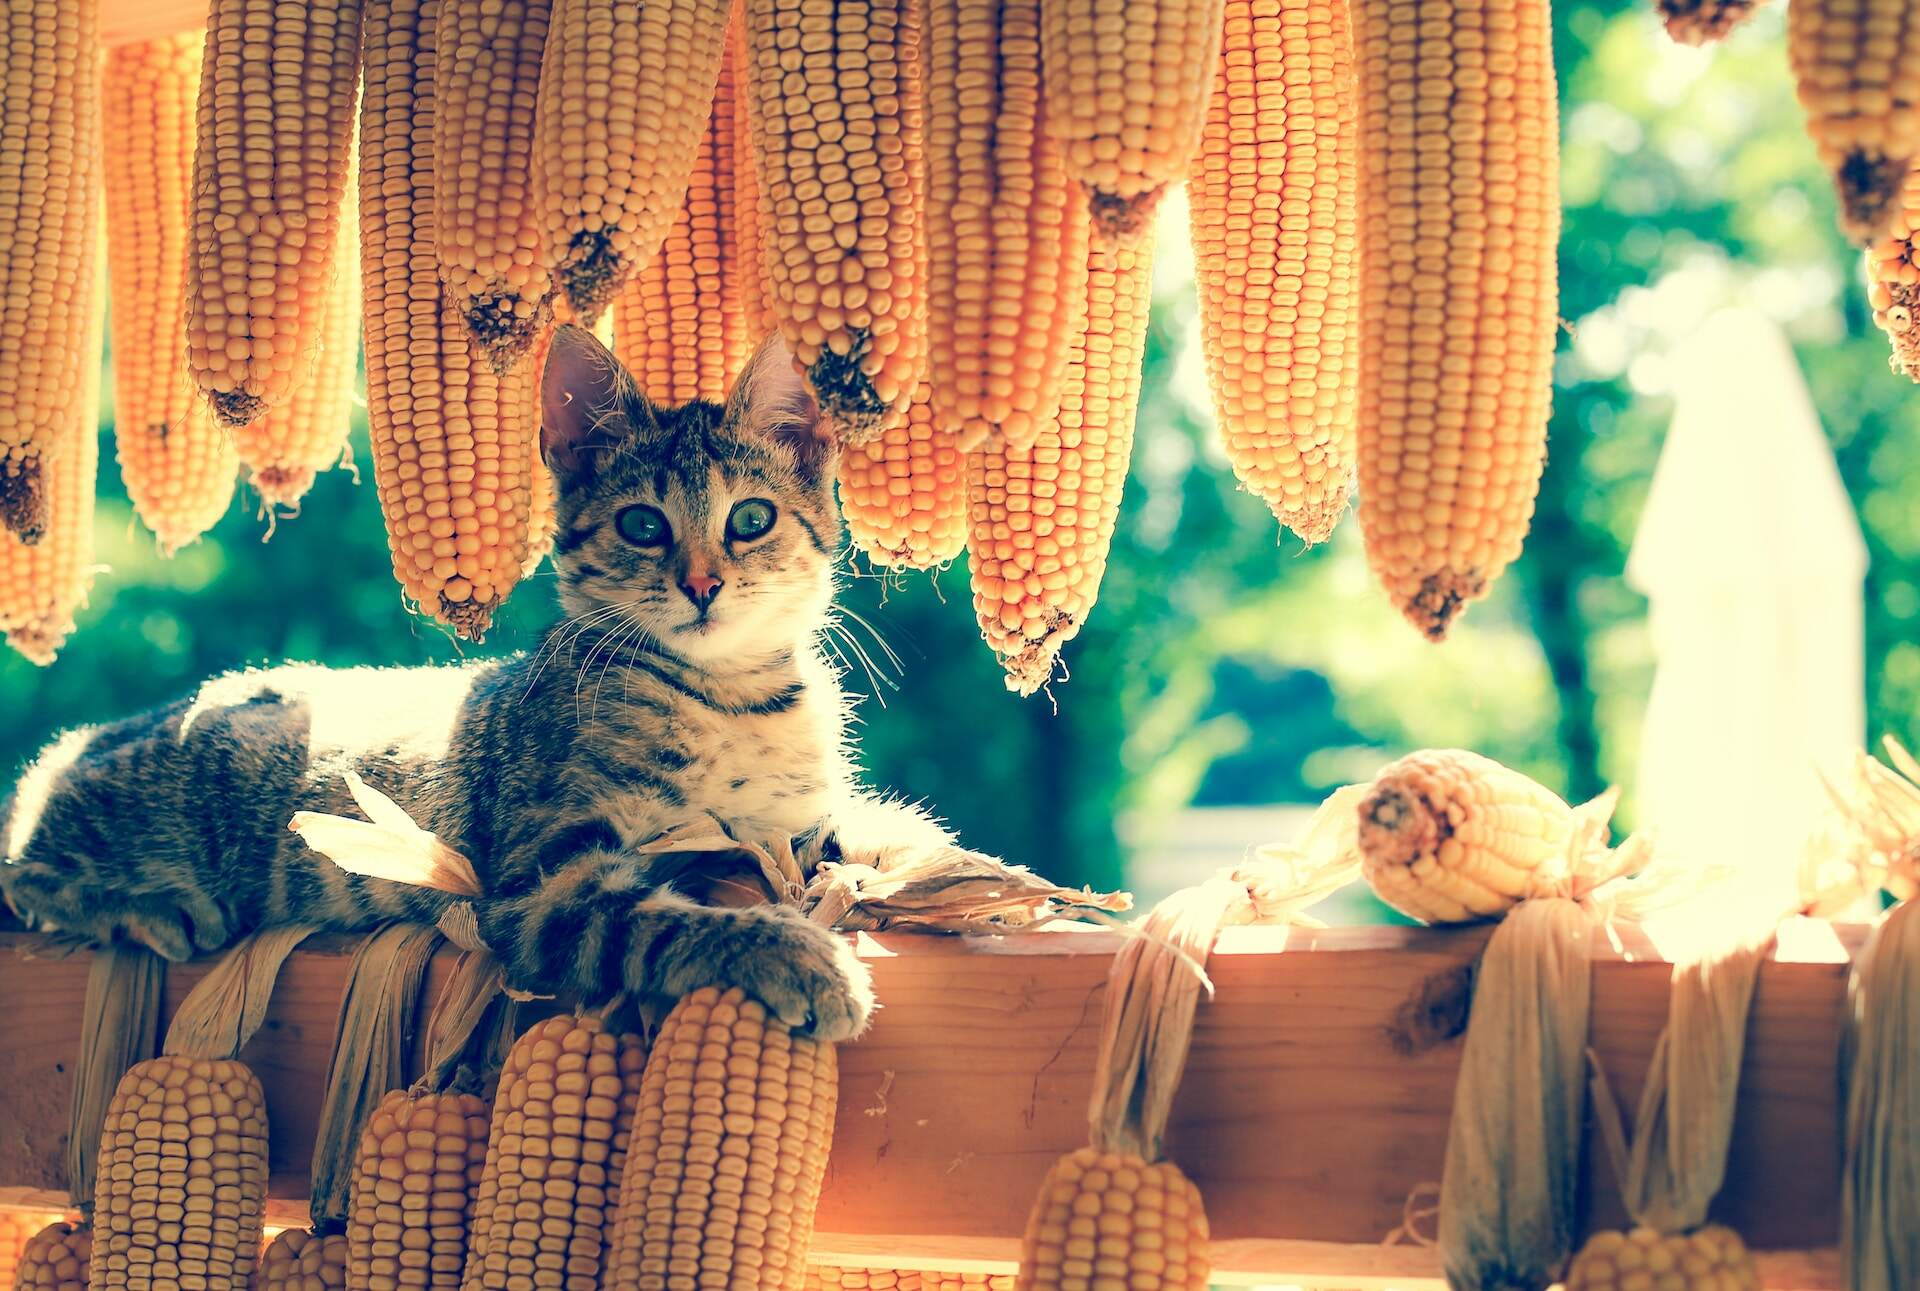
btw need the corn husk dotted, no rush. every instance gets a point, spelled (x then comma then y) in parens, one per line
(1869, 840)
(119, 1026)
(370, 1056)
(1880, 1233)
(471, 1027)
(221, 1014)
(1507, 1197)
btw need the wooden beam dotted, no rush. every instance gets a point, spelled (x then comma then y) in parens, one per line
(1316, 1097)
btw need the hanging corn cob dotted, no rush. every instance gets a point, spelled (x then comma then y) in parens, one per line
(1274, 213)
(179, 467)
(1703, 22)
(292, 443)
(453, 444)
(1710, 1259)
(835, 92)
(1460, 215)
(269, 169)
(1893, 279)
(826, 1277)
(370, 1052)
(1448, 836)
(644, 76)
(725, 1082)
(486, 75)
(17, 1227)
(565, 1104)
(1006, 238)
(745, 194)
(1856, 69)
(904, 495)
(49, 226)
(1127, 89)
(191, 1124)
(1040, 520)
(680, 324)
(55, 1259)
(43, 585)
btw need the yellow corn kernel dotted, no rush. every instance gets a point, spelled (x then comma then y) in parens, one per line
(745, 196)
(828, 1277)
(644, 75)
(1447, 836)
(1127, 90)
(453, 444)
(727, 1084)
(182, 1178)
(43, 586)
(1275, 248)
(48, 225)
(292, 443)
(269, 171)
(1711, 1259)
(487, 236)
(1109, 1219)
(54, 1259)
(548, 1192)
(298, 1259)
(904, 495)
(17, 1228)
(836, 108)
(1893, 279)
(680, 323)
(1040, 520)
(1460, 214)
(179, 467)
(1006, 231)
(414, 1183)
(1703, 22)
(1856, 70)
(960, 1281)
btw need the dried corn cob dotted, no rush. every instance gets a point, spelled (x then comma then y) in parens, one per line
(179, 467)
(486, 236)
(1127, 88)
(1274, 215)
(827, 1277)
(17, 1228)
(285, 449)
(835, 92)
(904, 495)
(1856, 69)
(300, 1260)
(1893, 279)
(680, 323)
(49, 226)
(1040, 521)
(727, 1083)
(55, 1259)
(1460, 215)
(269, 171)
(453, 444)
(1007, 231)
(43, 586)
(414, 1186)
(1110, 1219)
(195, 1130)
(547, 1193)
(745, 195)
(1702, 22)
(1710, 1259)
(644, 75)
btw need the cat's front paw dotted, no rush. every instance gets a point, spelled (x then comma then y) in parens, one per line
(807, 977)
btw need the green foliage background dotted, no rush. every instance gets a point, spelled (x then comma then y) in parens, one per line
(1224, 664)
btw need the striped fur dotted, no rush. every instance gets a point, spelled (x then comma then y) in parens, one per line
(648, 708)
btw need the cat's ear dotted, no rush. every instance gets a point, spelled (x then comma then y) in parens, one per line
(771, 401)
(586, 399)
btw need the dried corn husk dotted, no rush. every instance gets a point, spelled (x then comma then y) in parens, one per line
(370, 1052)
(1871, 838)
(221, 1014)
(1880, 1235)
(471, 1027)
(1513, 1145)
(119, 1026)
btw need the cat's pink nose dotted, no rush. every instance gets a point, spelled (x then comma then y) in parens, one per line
(701, 588)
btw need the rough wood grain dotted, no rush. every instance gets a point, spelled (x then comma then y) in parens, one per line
(1317, 1093)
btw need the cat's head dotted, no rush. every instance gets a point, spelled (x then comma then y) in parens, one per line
(712, 528)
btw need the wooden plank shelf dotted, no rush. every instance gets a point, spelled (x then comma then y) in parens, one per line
(1317, 1095)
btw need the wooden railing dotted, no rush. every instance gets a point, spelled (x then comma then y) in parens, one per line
(1317, 1095)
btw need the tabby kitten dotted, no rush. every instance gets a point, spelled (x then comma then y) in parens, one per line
(684, 687)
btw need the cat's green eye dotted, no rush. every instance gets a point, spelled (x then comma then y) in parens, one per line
(750, 519)
(643, 527)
